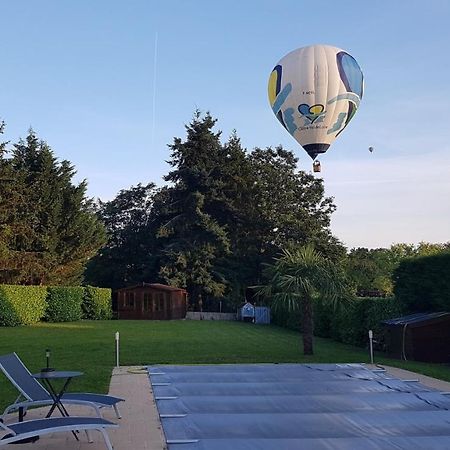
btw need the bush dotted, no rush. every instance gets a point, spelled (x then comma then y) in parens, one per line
(21, 305)
(349, 322)
(352, 322)
(323, 316)
(286, 319)
(423, 284)
(379, 309)
(64, 304)
(97, 303)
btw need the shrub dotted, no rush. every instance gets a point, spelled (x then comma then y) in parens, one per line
(349, 322)
(64, 304)
(21, 305)
(286, 319)
(379, 309)
(96, 303)
(355, 320)
(423, 284)
(323, 316)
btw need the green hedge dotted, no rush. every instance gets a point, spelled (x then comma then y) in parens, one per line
(349, 322)
(97, 303)
(286, 319)
(423, 284)
(21, 305)
(64, 304)
(353, 321)
(24, 305)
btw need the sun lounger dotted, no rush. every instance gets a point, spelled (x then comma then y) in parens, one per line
(31, 428)
(32, 393)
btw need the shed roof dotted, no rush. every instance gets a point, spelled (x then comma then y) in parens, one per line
(418, 318)
(158, 286)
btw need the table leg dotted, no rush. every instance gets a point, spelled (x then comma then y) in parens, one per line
(21, 414)
(57, 401)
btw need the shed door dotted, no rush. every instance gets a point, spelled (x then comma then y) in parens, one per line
(248, 311)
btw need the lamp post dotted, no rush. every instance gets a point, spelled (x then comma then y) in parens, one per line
(47, 359)
(371, 345)
(117, 337)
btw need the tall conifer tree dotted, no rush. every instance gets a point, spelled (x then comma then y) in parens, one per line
(48, 226)
(193, 238)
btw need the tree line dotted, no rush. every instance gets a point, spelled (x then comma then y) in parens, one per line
(371, 270)
(223, 215)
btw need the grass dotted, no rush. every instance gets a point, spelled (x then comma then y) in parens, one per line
(89, 347)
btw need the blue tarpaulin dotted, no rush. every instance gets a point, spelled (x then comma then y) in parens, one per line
(295, 406)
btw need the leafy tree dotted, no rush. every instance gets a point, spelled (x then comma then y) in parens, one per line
(270, 205)
(297, 277)
(224, 214)
(289, 205)
(130, 255)
(48, 226)
(368, 269)
(429, 249)
(239, 209)
(372, 269)
(282, 206)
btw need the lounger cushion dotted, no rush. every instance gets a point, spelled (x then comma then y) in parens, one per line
(93, 398)
(40, 426)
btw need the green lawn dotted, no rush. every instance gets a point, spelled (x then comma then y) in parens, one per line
(89, 347)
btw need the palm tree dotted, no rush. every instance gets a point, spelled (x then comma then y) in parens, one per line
(296, 278)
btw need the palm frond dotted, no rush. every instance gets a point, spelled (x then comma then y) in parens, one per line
(302, 273)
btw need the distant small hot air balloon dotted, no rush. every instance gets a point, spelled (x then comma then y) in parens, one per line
(314, 92)
(370, 149)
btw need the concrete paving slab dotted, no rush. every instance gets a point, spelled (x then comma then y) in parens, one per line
(139, 427)
(402, 374)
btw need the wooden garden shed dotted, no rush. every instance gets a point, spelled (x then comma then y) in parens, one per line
(151, 301)
(419, 337)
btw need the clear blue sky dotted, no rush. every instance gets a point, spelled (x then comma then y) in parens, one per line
(81, 73)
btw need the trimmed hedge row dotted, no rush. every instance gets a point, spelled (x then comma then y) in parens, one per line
(96, 303)
(21, 305)
(24, 305)
(423, 284)
(64, 304)
(349, 322)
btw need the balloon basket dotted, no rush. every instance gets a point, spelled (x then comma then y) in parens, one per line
(316, 166)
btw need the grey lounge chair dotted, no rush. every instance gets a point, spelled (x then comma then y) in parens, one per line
(31, 428)
(32, 393)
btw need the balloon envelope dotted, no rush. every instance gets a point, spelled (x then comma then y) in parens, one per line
(314, 92)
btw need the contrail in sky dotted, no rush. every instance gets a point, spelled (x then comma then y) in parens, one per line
(155, 58)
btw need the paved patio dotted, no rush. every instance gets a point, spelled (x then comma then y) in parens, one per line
(140, 428)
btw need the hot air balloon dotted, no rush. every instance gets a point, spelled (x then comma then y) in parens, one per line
(314, 92)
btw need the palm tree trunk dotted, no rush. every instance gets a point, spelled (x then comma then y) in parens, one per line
(307, 325)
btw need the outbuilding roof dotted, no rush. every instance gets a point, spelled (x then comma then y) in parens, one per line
(158, 286)
(417, 318)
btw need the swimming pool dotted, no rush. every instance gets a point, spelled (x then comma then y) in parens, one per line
(296, 406)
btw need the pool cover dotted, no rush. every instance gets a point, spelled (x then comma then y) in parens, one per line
(297, 406)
